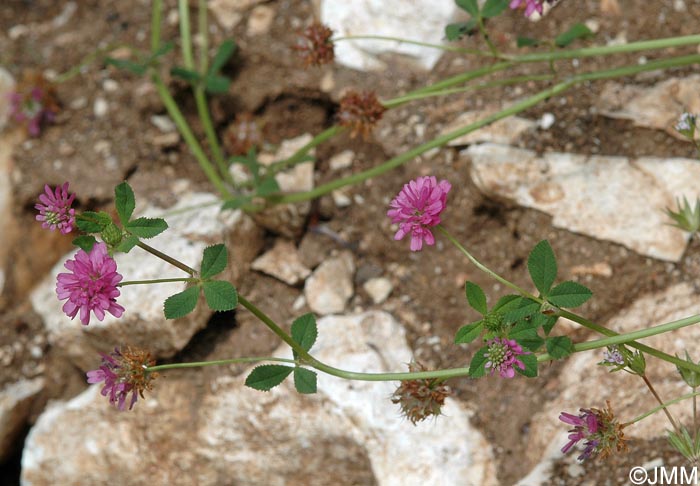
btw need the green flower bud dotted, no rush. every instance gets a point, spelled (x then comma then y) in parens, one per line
(692, 378)
(112, 235)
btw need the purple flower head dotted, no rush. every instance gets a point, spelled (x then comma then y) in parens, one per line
(599, 430)
(55, 210)
(613, 356)
(33, 105)
(417, 208)
(530, 6)
(503, 355)
(91, 285)
(124, 372)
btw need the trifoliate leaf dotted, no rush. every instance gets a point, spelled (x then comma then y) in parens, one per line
(569, 294)
(468, 333)
(266, 377)
(458, 30)
(85, 242)
(220, 295)
(127, 244)
(192, 77)
(577, 31)
(559, 346)
(470, 6)
(223, 54)
(216, 84)
(214, 260)
(530, 362)
(181, 304)
(476, 297)
(542, 265)
(493, 8)
(124, 201)
(146, 227)
(304, 331)
(304, 380)
(92, 222)
(476, 367)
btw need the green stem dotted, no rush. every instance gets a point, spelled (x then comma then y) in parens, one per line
(156, 15)
(484, 268)
(186, 132)
(156, 281)
(394, 102)
(309, 360)
(607, 50)
(461, 78)
(203, 29)
(400, 40)
(184, 13)
(512, 110)
(630, 336)
(485, 34)
(660, 407)
(641, 347)
(201, 98)
(218, 362)
(97, 53)
(167, 258)
(661, 402)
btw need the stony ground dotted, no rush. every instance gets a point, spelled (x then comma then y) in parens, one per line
(109, 121)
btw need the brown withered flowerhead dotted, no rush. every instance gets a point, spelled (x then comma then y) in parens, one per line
(420, 399)
(124, 372)
(360, 112)
(243, 134)
(315, 46)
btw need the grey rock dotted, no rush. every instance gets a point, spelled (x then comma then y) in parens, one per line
(611, 198)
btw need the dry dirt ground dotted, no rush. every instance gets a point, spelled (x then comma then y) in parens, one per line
(271, 83)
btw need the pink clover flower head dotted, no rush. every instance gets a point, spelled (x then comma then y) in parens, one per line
(417, 208)
(530, 6)
(124, 372)
(55, 210)
(599, 430)
(586, 427)
(503, 355)
(32, 109)
(91, 286)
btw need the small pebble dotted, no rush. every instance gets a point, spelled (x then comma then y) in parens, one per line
(100, 107)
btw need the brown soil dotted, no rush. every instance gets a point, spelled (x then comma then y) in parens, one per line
(269, 82)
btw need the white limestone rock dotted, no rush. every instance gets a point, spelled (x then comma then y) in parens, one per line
(378, 289)
(657, 106)
(347, 433)
(420, 20)
(606, 197)
(283, 262)
(330, 287)
(7, 85)
(143, 324)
